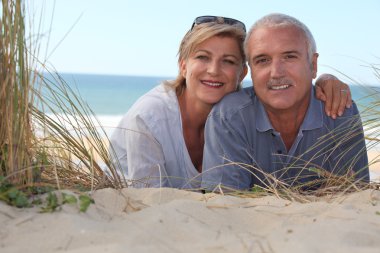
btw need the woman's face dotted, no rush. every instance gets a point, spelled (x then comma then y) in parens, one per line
(213, 70)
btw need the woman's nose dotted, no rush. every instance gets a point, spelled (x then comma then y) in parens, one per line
(213, 68)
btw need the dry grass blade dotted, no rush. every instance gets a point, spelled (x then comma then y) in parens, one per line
(72, 128)
(16, 135)
(64, 148)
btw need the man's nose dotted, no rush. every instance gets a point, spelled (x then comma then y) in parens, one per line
(277, 69)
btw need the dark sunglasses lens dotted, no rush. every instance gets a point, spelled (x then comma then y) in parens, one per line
(231, 21)
(210, 19)
(205, 19)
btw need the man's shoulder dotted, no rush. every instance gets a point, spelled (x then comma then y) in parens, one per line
(349, 118)
(234, 102)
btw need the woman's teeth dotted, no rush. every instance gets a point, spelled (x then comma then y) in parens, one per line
(213, 84)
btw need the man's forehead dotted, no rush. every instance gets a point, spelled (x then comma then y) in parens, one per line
(278, 38)
(284, 31)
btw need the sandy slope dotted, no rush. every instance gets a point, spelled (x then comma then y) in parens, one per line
(169, 220)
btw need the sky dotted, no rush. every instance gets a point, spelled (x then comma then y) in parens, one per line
(141, 37)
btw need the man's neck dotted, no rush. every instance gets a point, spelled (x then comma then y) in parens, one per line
(287, 122)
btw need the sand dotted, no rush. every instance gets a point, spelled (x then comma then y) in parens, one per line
(171, 220)
(374, 165)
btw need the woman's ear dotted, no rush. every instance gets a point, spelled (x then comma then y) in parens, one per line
(182, 67)
(243, 73)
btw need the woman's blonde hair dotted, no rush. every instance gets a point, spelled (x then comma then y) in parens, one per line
(198, 35)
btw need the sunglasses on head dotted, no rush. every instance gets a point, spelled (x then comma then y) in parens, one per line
(218, 20)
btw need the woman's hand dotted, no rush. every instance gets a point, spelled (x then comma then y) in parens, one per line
(335, 94)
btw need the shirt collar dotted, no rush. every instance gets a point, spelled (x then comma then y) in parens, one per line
(313, 118)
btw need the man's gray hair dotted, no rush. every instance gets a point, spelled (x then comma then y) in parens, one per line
(282, 20)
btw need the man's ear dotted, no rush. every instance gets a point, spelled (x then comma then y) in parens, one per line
(314, 65)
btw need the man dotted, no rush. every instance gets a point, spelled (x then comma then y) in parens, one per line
(277, 130)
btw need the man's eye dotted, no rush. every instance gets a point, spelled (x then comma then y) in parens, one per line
(261, 61)
(291, 56)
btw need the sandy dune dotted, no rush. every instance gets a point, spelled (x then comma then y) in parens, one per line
(170, 220)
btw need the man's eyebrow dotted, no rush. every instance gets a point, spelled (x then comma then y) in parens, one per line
(258, 56)
(292, 52)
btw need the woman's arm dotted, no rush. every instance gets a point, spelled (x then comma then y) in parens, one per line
(335, 94)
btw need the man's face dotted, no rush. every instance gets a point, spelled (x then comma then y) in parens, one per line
(280, 68)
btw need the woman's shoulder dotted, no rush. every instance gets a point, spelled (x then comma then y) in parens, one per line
(157, 105)
(159, 99)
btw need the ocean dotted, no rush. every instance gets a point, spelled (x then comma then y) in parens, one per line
(114, 95)
(110, 96)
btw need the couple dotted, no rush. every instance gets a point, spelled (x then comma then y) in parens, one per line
(160, 141)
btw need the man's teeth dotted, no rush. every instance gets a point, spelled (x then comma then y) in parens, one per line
(213, 84)
(280, 87)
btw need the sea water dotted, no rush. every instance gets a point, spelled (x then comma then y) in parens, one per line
(115, 94)
(110, 96)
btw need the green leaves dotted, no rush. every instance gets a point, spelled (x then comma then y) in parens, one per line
(32, 196)
(11, 195)
(53, 203)
(257, 189)
(69, 199)
(17, 198)
(85, 202)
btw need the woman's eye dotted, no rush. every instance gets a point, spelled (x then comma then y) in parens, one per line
(229, 61)
(201, 57)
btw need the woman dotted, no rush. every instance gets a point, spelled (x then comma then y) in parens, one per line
(159, 142)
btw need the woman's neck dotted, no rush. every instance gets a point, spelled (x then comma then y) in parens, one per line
(194, 113)
(194, 116)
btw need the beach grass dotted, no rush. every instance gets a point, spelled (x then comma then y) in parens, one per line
(63, 149)
(16, 135)
(68, 149)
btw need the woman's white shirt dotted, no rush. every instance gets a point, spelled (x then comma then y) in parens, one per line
(149, 143)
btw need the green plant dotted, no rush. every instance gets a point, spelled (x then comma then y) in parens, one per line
(15, 78)
(64, 149)
(12, 195)
(53, 202)
(32, 196)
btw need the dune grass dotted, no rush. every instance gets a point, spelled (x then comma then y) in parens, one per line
(17, 161)
(67, 148)
(38, 149)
